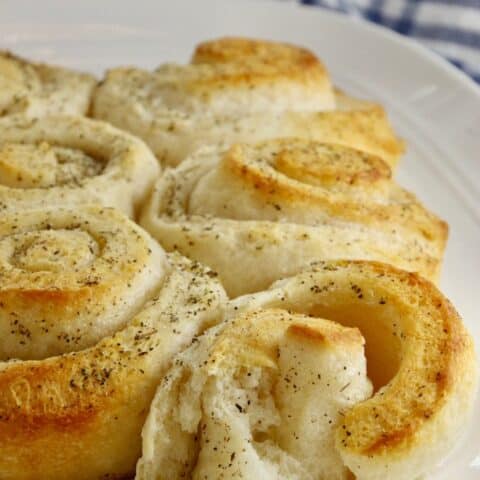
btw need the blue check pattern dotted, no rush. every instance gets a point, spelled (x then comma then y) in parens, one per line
(450, 27)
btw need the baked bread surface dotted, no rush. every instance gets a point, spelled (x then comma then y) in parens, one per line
(70, 160)
(238, 90)
(257, 213)
(348, 368)
(292, 78)
(215, 416)
(91, 312)
(37, 89)
(256, 397)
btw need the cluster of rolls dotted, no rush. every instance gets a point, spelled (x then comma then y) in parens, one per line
(208, 271)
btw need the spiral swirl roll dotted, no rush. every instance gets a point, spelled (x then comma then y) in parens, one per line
(256, 213)
(64, 160)
(36, 89)
(91, 311)
(239, 90)
(254, 76)
(278, 392)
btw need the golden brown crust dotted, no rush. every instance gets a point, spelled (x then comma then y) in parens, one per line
(266, 59)
(61, 271)
(238, 49)
(71, 160)
(112, 322)
(294, 199)
(334, 337)
(366, 129)
(442, 345)
(410, 422)
(248, 76)
(204, 420)
(234, 90)
(288, 170)
(356, 167)
(238, 90)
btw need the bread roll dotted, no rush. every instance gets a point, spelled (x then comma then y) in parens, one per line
(276, 392)
(91, 312)
(237, 90)
(36, 89)
(261, 391)
(260, 76)
(65, 160)
(257, 213)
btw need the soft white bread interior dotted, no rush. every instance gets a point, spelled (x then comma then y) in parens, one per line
(277, 392)
(37, 89)
(238, 90)
(257, 397)
(91, 312)
(420, 359)
(257, 213)
(70, 160)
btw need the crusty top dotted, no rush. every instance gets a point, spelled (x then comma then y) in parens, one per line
(37, 89)
(276, 391)
(420, 359)
(292, 79)
(70, 160)
(91, 312)
(298, 199)
(240, 50)
(237, 90)
(240, 90)
(258, 62)
(69, 279)
(306, 181)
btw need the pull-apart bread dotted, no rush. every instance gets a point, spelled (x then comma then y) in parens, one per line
(36, 89)
(120, 359)
(277, 392)
(257, 213)
(71, 160)
(91, 312)
(237, 90)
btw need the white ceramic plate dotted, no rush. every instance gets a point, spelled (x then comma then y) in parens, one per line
(432, 105)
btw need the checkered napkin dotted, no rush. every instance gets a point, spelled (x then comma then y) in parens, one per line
(450, 27)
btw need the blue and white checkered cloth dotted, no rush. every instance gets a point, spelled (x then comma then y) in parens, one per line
(450, 27)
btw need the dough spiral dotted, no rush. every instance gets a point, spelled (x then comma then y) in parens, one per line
(277, 392)
(91, 311)
(238, 90)
(36, 89)
(65, 160)
(257, 213)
